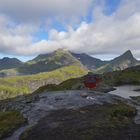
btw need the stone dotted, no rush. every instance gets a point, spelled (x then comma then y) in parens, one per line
(84, 95)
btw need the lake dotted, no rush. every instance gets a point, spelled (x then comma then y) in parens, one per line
(126, 91)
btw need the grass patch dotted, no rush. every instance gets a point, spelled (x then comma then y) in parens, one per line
(122, 77)
(70, 84)
(122, 112)
(137, 98)
(9, 121)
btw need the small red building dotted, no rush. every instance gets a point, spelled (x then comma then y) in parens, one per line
(91, 80)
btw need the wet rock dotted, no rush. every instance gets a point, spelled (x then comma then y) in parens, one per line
(35, 107)
(58, 98)
(109, 89)
(84, 95)
(86, 123)
(137, 90)
(28, 101)
(35, 98)
(91, 98)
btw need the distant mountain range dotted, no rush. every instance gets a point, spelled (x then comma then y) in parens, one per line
(89, 62)
(49, 62)
(8, 63)
(62, 58)
(60, 65)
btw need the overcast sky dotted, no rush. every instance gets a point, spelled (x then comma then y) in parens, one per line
(102, 28)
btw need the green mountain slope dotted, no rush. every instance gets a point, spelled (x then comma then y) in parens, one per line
(49, 62)
(122, 62)
(109, 80)
(61, 58)
(9, 72)
(19, 85)
(90, 62)
(8, 63)
(127, 76)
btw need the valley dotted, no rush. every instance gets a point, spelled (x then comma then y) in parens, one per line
(51, 87)
(58, 66)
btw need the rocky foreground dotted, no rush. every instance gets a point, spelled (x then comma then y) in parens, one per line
(73, 115)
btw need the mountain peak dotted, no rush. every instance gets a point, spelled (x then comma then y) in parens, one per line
(61, 50)
(7, 59)
(128, 52)
(125, 57)
(124, 61)
(8, 63)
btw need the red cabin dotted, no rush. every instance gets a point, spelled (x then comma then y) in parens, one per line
(91, 80)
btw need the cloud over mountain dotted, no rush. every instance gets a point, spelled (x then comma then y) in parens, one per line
(111, 33)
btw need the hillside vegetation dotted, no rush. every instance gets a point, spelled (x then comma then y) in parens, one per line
(48, 62)
(9, 122)
(128, 76)
(62, 65)
(109, 80)
(19, 85)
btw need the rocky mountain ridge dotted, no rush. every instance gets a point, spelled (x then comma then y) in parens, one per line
(61, 58)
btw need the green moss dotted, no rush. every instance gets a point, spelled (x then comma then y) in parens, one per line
(26, 132)
(122, 112)
(137, 98)
(9, 121)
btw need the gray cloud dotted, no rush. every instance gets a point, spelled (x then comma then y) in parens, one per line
(111, 34)
(23, 10)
